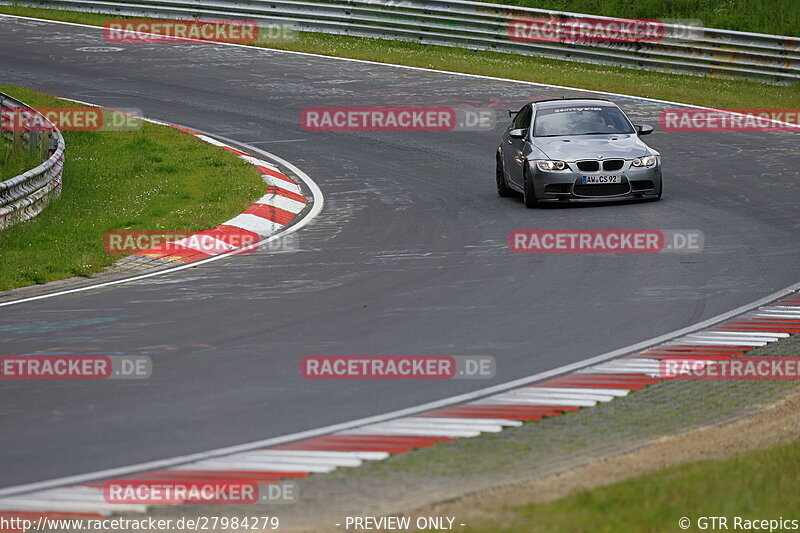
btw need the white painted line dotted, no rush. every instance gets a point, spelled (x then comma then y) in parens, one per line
(507, 398)
(530, 393)
(458, 422)
(476, 420)
(366, 456)
(45, 506)
(220, 465)
(283, 184)
(774, 328)
(739, 344)
(734, 340)
(609, 369)
(287, 204)
(735, 333)
(629, 363)
(253, 223)
(43, 501)
(206, 138)
(719, 342)
(260, 162)
(623, 369)
(263, 456)
(534, 391)
(620, 369)
(368, 430)
(426, 424)
(79, 492)
(608, 392)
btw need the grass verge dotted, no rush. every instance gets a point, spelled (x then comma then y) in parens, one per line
(502, 482)
(153, 178)
(15, 161)
(707, 91)
(739, 15)
(755, 486)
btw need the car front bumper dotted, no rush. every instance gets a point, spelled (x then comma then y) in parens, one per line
(566, 185)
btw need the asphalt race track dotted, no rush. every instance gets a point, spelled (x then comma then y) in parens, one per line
(408, 257)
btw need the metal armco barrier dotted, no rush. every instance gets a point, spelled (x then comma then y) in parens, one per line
(681, 49)
(24, 196)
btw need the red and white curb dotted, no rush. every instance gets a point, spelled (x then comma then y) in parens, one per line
(351, 447)
(274, 216)
(282, 202)
(280, 205)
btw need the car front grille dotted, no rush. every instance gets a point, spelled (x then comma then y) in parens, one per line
(642, 185)
(613, 164)
(588, 166)
(609, 189)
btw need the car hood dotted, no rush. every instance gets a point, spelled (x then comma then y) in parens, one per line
(591, 146)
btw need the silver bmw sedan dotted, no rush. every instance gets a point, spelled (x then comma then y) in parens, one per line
(576, 150)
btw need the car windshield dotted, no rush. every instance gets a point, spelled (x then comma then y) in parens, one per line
(580, 120)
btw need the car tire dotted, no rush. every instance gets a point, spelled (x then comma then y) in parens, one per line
(528, 195)
(500, 177)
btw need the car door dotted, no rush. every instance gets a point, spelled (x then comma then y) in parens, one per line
(513, 149)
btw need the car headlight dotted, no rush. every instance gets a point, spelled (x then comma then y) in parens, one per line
(546, 164)
(646, 161)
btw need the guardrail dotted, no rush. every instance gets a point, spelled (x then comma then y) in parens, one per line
(24, 196)
(681, 48)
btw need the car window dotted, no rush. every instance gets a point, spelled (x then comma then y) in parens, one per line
(523, 118)
(580, 120)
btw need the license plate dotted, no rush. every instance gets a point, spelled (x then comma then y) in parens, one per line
(597, 180)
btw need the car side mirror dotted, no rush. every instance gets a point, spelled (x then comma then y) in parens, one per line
(518, 134)
(644, 129)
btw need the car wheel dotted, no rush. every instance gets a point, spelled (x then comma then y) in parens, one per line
(500, 178)
(529, 195)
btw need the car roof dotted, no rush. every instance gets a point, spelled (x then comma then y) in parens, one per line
(571, 102)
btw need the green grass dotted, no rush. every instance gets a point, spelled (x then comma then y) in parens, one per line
(709, 91)
(757, 485)
(154, 178)
(15, 160)
(780, 17)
